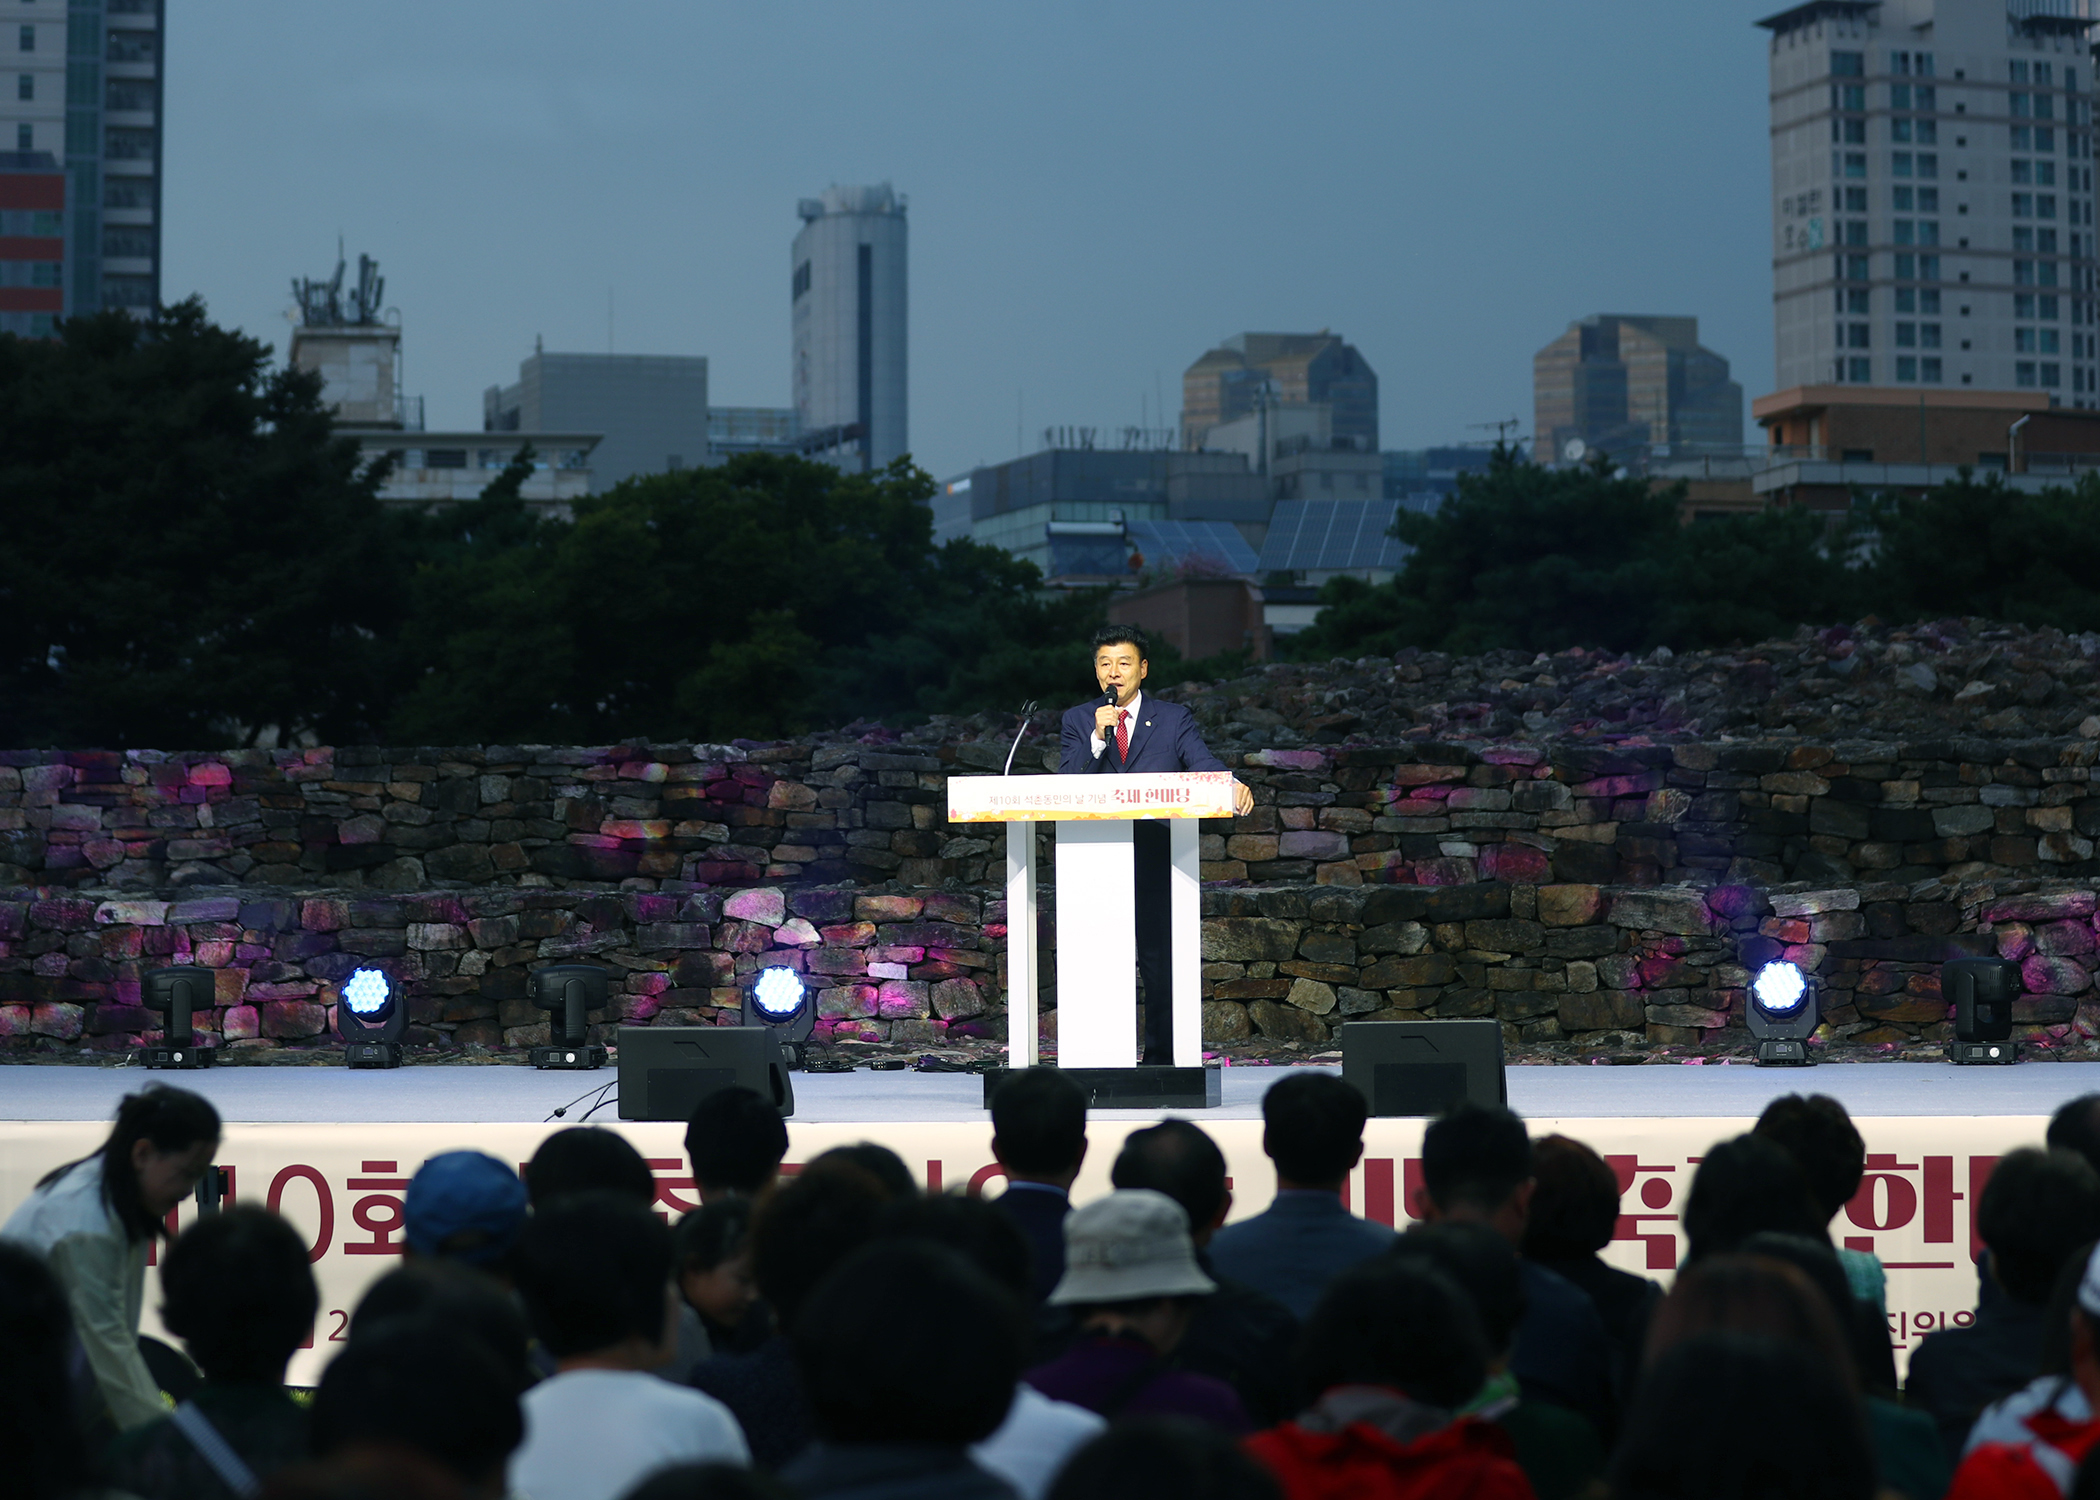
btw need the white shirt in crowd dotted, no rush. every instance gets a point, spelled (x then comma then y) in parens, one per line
(1136, 707)
(593, 1434)
(1034, 1441)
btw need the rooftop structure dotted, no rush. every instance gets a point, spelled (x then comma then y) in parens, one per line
(651, 408)
(1617, 381)
(1251, 372)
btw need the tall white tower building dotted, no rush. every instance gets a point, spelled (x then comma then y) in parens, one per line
(1932, 195)
(849, 318)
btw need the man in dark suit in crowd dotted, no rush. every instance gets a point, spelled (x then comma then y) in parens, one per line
(1039, 1137)
(1123, 732)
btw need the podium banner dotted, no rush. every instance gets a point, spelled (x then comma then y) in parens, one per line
(1056, 799)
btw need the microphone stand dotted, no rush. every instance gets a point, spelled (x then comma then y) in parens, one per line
(1026, 709)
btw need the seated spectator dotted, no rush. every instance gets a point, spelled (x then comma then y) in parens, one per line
(2026, 1449)
(1164, 1458)
(879, 1162)
(458, 1297)
(1865, 1332)
(41, 1433)
(1039, 1141)
(464, 1206)
(1791, 1287)
(1746, 1186)
(2037, 1209)
(2076, 1127)
(1392, 1352)
(1477, 1169)
(1573, 1215)
(2053, 1389)
(708, 1482)
(241, 1296)
(1039, 1434)
(736, 1141)
(1685, 1437)
(714, 1277)
(901, 1386)
(1819, 1135)
(1132, 1282)
(1242, 1336)
(1313, 1130)
(588, 1159)
(93, 1220)
(1559, 1452)
(415, 1386)
(799, 1232)
(594, 1270)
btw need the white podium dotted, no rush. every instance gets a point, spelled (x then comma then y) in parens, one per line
(1096, 933)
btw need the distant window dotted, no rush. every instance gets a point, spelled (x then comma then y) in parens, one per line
(1855, 300)
(1856, 335)
(2045, 106)
(2045, 205)
(2023, 205)
(1852, 96)
(2023, 172)
(1855, 200)
(1928, 268)
(1928, 200)
(2049, 340)
(28, 38)
(2045, 241)
(2022, 105)
(1899, 164)
(1928, 231)
(2017, 70)
(448, 458)
(1904, 199)
(1929, 301)
(1850, 130)
(1906, 231)
(2046, 308)
(1928, 335)
(1856, 164)
(1906, 299)
(2041, 74)
(2022, 140)
(2052, 376)
(2023, 273)
(1906, 335)
(2045, 173)
(1928, 97)
(1899, 96)
(1853, 267)
(1929, 371)
(1899, 130)
(2023, 341)
(25, 138)
(1855, 231)
(1906, 368)
(1861, 372)
(1848, 64)
(2023, 305)
(2023, 238)
(1928, 164)
(801, 280)
(1906, 268)
(45, 273)
(2023, 372)
(2044, 138)
(25, 86)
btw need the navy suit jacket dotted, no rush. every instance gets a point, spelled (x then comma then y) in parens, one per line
(1164, 738)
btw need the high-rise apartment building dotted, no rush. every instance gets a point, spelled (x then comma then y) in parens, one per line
(849, 326)
(1932, 195)
(1253, 370)
(86, 91)
(1617, 383)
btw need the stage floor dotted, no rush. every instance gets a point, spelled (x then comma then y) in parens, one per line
(520, 1095)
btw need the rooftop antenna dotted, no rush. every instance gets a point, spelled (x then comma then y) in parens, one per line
(1501, 429)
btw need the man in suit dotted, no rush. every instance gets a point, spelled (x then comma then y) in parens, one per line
(1124, 732)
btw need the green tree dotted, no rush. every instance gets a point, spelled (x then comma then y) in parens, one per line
(193, 557)
(1540, 559)
(1977, 547)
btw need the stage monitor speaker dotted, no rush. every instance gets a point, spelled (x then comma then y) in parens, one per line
(1424, 1067)
(665, 1071)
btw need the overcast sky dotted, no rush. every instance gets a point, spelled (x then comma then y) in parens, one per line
(1098, 192)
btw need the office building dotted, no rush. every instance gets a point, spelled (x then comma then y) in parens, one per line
(86, 91)
(1932, 196)
(651, 408)
(32, 243)
(1629, 385)
(752, 429)
(1255, 373)
(849, 306)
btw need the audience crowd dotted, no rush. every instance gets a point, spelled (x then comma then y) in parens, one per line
(833, 1332)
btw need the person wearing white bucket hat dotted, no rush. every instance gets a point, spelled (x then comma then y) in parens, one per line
(1131, 1280)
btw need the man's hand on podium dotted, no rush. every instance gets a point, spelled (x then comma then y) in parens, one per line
(1242, 799)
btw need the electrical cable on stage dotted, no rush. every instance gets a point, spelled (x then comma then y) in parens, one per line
(562, 1113)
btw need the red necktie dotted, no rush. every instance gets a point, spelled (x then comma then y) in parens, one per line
(1123, 736)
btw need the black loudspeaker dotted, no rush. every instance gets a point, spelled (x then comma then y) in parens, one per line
(1981, 991)
(665, 1071)
(177, 993)
(1424, 1067)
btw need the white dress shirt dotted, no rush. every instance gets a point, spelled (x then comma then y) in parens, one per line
(1136, 703)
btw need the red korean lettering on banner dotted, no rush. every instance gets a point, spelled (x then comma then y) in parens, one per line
(1894, 1194)
(1656, 1228)
(381, 1212)
(324, 1201)
(665, 1170)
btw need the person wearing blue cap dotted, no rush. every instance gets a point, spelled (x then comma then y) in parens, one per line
(464, 1206)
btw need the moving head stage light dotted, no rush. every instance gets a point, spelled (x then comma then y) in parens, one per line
(1782, 1014)
(568, 991)
(779, 1001)
(1981, 991)
(370, 1018)
(178, 994)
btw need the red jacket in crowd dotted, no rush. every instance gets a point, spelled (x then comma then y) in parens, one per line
(1468, 1460)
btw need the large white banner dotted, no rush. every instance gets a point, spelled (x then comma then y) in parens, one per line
(342, 1185)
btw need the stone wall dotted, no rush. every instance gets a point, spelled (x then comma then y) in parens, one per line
(1569, 969)
(843, 812)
